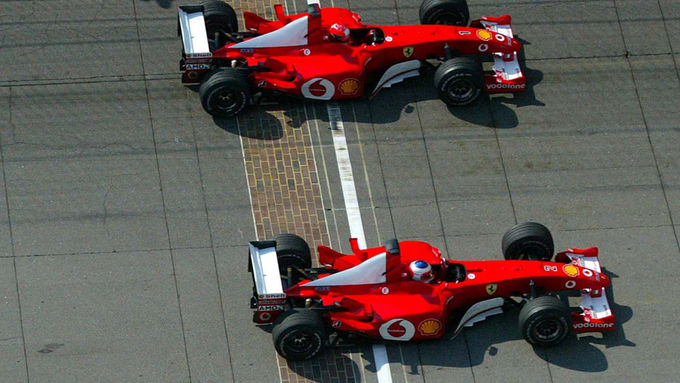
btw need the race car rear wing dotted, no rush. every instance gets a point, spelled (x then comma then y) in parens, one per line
(596, 312)
(268, 295)
(507, 76)
(191, 27)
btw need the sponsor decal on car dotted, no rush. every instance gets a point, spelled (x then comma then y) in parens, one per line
(483, 34)
(570, 284)
(318, 88)
(463, 33)
(349, 86)
(429, 326)
(483, 47)
(593, 325)
(550, 268)
(570, 270)
(408, 51)
(197, 66)
(506, 86)
(397, 329)
(491, 288)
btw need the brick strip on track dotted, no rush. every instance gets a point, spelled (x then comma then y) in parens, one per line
(286, 197)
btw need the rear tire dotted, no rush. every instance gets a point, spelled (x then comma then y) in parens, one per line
(224, 93)
(545, 321)
(528, 241)
(292, 251)
(459, 80)
(298, 334)
(220, 19)
(446, 12)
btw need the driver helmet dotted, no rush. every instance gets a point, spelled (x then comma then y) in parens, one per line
(422, 271)
(339, 32)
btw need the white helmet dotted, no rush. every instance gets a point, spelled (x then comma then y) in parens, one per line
(422, 271)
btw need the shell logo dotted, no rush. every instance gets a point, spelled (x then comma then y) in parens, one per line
(570, 270)
(484, 34)
(349, 86)
(429, 326)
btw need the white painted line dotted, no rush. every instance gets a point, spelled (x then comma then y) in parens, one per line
(349, 191)
(356, 227)
(382, 364)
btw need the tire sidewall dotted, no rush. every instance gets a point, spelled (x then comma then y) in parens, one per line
(541, 316)
(517, 248)
(289, 259)
(292, 331)
(211, 101)
(452, 78)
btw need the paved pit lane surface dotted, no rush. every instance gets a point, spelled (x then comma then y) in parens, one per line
(125, 210)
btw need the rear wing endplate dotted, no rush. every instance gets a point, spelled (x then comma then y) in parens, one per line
(192, 30)
(265, 268)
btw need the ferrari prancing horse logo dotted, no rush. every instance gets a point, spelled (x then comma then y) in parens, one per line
(491, 288)
(408, 51)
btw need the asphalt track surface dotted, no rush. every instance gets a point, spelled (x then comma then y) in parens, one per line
(125, 209)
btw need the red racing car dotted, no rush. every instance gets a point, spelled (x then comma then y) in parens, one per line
(406, 291)
(330, 54)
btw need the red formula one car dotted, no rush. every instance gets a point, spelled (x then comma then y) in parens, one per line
(406, 291)
(329, 54)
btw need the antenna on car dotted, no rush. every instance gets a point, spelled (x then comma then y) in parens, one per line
(392, 246)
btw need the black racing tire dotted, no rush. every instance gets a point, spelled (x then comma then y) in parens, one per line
(459, 80)
(292, 251)
(219, 18)
(545, 321)
(529, 241)
(225, 92)
(298, 334)
(446, 12)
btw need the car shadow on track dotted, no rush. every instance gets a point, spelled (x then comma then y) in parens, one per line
(418, 95)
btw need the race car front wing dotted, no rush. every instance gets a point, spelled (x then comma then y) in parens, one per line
(507, 74)
(596, 314)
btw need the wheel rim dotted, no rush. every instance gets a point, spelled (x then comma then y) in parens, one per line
(548, 330)
(299, 342)
(226, 99)
(532, 253)
(449, 18)
(461, 89)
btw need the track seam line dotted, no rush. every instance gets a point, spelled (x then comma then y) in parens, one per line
(160, 185)
(644, 120)
(11, 240)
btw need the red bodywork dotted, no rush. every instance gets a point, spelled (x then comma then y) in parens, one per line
(325, 69)
(403, 309)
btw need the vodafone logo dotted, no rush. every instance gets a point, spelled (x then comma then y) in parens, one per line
(593, 325)
(397, 329)
(506, 86)
(318, 88)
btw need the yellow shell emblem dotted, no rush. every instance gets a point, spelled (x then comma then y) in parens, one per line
(429, 326)
(491, 288)
(484, 34)
(570, 270)
(349, 86)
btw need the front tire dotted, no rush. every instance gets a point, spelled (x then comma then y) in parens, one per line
(459, 80)
(545, 321)
(446, 12)
(528, 241)
(224, 93)
(298, 334)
